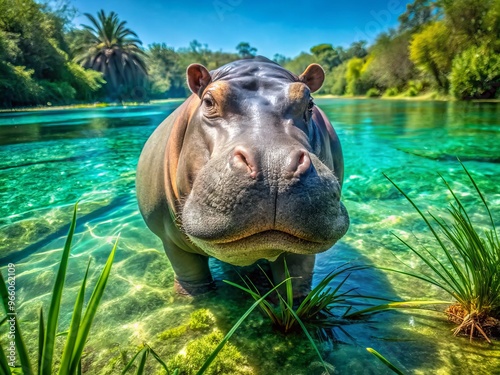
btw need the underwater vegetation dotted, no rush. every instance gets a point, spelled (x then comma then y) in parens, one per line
(69, 362)
(465, 264)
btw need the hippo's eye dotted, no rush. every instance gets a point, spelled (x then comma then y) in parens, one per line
(208, 101)
(209, 106)
(310, 105)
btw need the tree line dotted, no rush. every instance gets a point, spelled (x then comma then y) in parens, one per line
(446, 46)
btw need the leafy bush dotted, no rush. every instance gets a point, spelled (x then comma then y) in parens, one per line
(476, 74)
(57, 92)
(392, 91)
(17, 86)
(336, 80)
(86, 82)
(414, 88)
(353, 76)
(373, 93)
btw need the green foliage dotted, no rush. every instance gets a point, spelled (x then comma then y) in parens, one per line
(80, 325)
(373, 93)
(300, 63)
(418, 14)
(476, 74)
(109, 47)
(390, 64)
(162, 64)
(356, 79)
(245, 50)
(57, 92)
(34, 62)
(316, 308)
(86, 82)
(326, 55)
(17, 86)
(464, 264)
(473, 21)
(335, 82)
(414, 88)
(432, 50)
(390, 92)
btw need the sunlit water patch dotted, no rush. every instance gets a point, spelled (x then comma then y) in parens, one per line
(49, 160)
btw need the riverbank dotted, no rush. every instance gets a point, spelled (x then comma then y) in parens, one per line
(87, 105)
(432, 96)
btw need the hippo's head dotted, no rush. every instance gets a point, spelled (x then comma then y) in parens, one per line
(261, 168)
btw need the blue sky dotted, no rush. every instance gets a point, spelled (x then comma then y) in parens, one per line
(285, 27)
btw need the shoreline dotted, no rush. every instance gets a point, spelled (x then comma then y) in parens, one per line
(425, 97)
(86, 106)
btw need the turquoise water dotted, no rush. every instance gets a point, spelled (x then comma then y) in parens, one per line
(50, 159)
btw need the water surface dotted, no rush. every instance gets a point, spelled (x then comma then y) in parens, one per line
(50, 159)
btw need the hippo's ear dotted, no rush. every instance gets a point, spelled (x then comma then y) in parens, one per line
(313, 77)
(198, 78)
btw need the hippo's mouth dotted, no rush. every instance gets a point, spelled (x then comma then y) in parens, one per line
(268, 244)
(284, 237)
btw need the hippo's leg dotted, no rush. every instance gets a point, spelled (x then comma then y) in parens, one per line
(192, 274)
(300, 267)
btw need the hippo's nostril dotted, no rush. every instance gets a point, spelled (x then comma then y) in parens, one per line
(299, 163)
(243, 159)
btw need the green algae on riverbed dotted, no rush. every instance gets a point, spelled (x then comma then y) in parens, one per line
(48, 160)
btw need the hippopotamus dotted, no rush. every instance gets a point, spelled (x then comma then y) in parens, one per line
(247, 168)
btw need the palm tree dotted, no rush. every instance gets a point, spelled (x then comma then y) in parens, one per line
(114, 50)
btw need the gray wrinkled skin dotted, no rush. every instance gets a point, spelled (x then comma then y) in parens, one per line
(246, 169)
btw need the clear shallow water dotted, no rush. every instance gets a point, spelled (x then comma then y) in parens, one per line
(50, 159)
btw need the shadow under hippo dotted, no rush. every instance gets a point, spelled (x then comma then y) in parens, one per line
(247, 168)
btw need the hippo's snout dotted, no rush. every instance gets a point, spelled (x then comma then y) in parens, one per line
(267, 202)
(246, 160)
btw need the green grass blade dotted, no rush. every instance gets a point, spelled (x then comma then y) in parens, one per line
(41, 338)
(429, 225)
(73, 327)
(385, 361)
(159, 360)
(129, 364)
(452, 284)
(482, 198)
(55, 304)
(142, 362)
(24, 359)
(4, 363)
(236, 326)
(306, 332)
(91, 310)
(289, 287)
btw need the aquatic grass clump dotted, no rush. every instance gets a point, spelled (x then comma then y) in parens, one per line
(81, 322)
(470, 267)
(314, 310)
